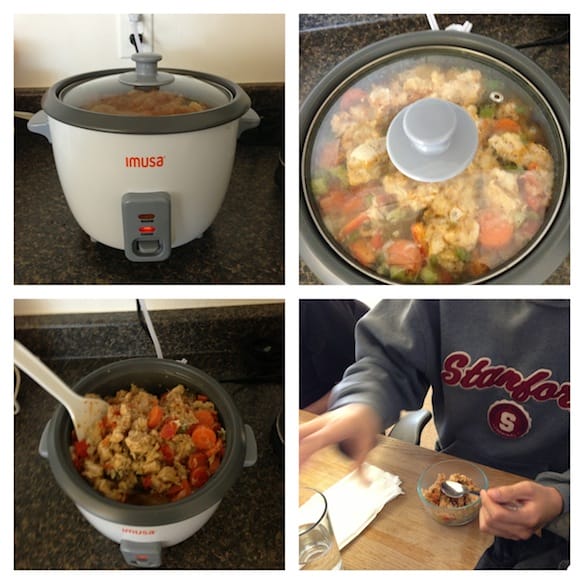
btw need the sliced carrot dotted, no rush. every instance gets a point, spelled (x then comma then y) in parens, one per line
(203, 437)
(404, 253)
(362, 251)
(353, 225)
(155, 416)
(205, 417)
(418, 232)
(353, 205)
(333, 202)
(495, 230)
(506, 125)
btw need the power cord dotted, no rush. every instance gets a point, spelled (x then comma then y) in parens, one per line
(559, 39)
(146, 322)
(17, 380)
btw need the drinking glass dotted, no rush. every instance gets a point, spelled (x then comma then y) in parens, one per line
(318, 548)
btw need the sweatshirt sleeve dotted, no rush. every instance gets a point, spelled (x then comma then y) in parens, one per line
(396, 345)
(560, 481)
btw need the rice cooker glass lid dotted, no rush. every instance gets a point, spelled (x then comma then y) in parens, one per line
(68, 100)
(430, 92)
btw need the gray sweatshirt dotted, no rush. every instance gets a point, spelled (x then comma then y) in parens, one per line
(499, 371)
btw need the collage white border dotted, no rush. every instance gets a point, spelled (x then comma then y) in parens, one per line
(292, 291)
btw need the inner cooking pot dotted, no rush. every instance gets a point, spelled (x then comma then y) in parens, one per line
(144, 158)
(166, 523)
(435, 157)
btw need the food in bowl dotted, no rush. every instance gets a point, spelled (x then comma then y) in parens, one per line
(435, 495)
(151, 449)
(140, 102)
(454, 231)
(447, 510)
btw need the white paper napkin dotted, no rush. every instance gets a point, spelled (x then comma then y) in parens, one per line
(353, 503)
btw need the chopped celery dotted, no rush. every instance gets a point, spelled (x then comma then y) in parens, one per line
(400, 274)
(428, 275)
(487, 110)
(462, 254)
(319, 186)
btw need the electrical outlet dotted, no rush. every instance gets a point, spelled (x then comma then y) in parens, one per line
(145, 28)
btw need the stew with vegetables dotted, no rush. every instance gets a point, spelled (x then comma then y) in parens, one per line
(453, 231)
(153, 102)
(151, 450)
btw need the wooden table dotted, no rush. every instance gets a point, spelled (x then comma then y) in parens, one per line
(403, 536)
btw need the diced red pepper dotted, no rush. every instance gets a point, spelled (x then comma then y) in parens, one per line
(168, 430)
(81, 447)
(167, 452)
(199, 476)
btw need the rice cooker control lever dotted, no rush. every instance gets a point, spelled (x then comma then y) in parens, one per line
(146, 73)
(146, 222)
(142, 554)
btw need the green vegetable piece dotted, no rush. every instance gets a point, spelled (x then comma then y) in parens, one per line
(462, 254)
(340, 174)
(487, 110)
(428, 275)
(319, 186)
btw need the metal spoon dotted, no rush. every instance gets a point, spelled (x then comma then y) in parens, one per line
(83, 411)
(455, 490)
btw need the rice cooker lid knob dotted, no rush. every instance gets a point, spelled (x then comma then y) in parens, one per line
(146, 73)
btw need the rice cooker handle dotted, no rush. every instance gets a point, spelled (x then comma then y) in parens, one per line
(250, 119)
(43, 444)
(39, 124)
(251, 447)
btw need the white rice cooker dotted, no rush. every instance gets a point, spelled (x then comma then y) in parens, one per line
(144, 183)
(143, 531)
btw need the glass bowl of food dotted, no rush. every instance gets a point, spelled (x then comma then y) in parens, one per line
(451, 510)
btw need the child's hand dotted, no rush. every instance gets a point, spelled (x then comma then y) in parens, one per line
(355, 427)
(518, 511)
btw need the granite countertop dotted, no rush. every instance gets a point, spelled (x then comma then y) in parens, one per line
(246, 531)
(244, 245)
(327, 39)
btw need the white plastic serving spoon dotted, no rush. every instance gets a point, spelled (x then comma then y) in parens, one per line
(83, 411)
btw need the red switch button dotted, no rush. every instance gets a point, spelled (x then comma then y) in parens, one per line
(147, 229)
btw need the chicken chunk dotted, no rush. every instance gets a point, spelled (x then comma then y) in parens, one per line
(369, 161)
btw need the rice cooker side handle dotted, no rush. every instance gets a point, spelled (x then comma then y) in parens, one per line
(251, 447)
(39, 124)
(250, 119)
(43, 444)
